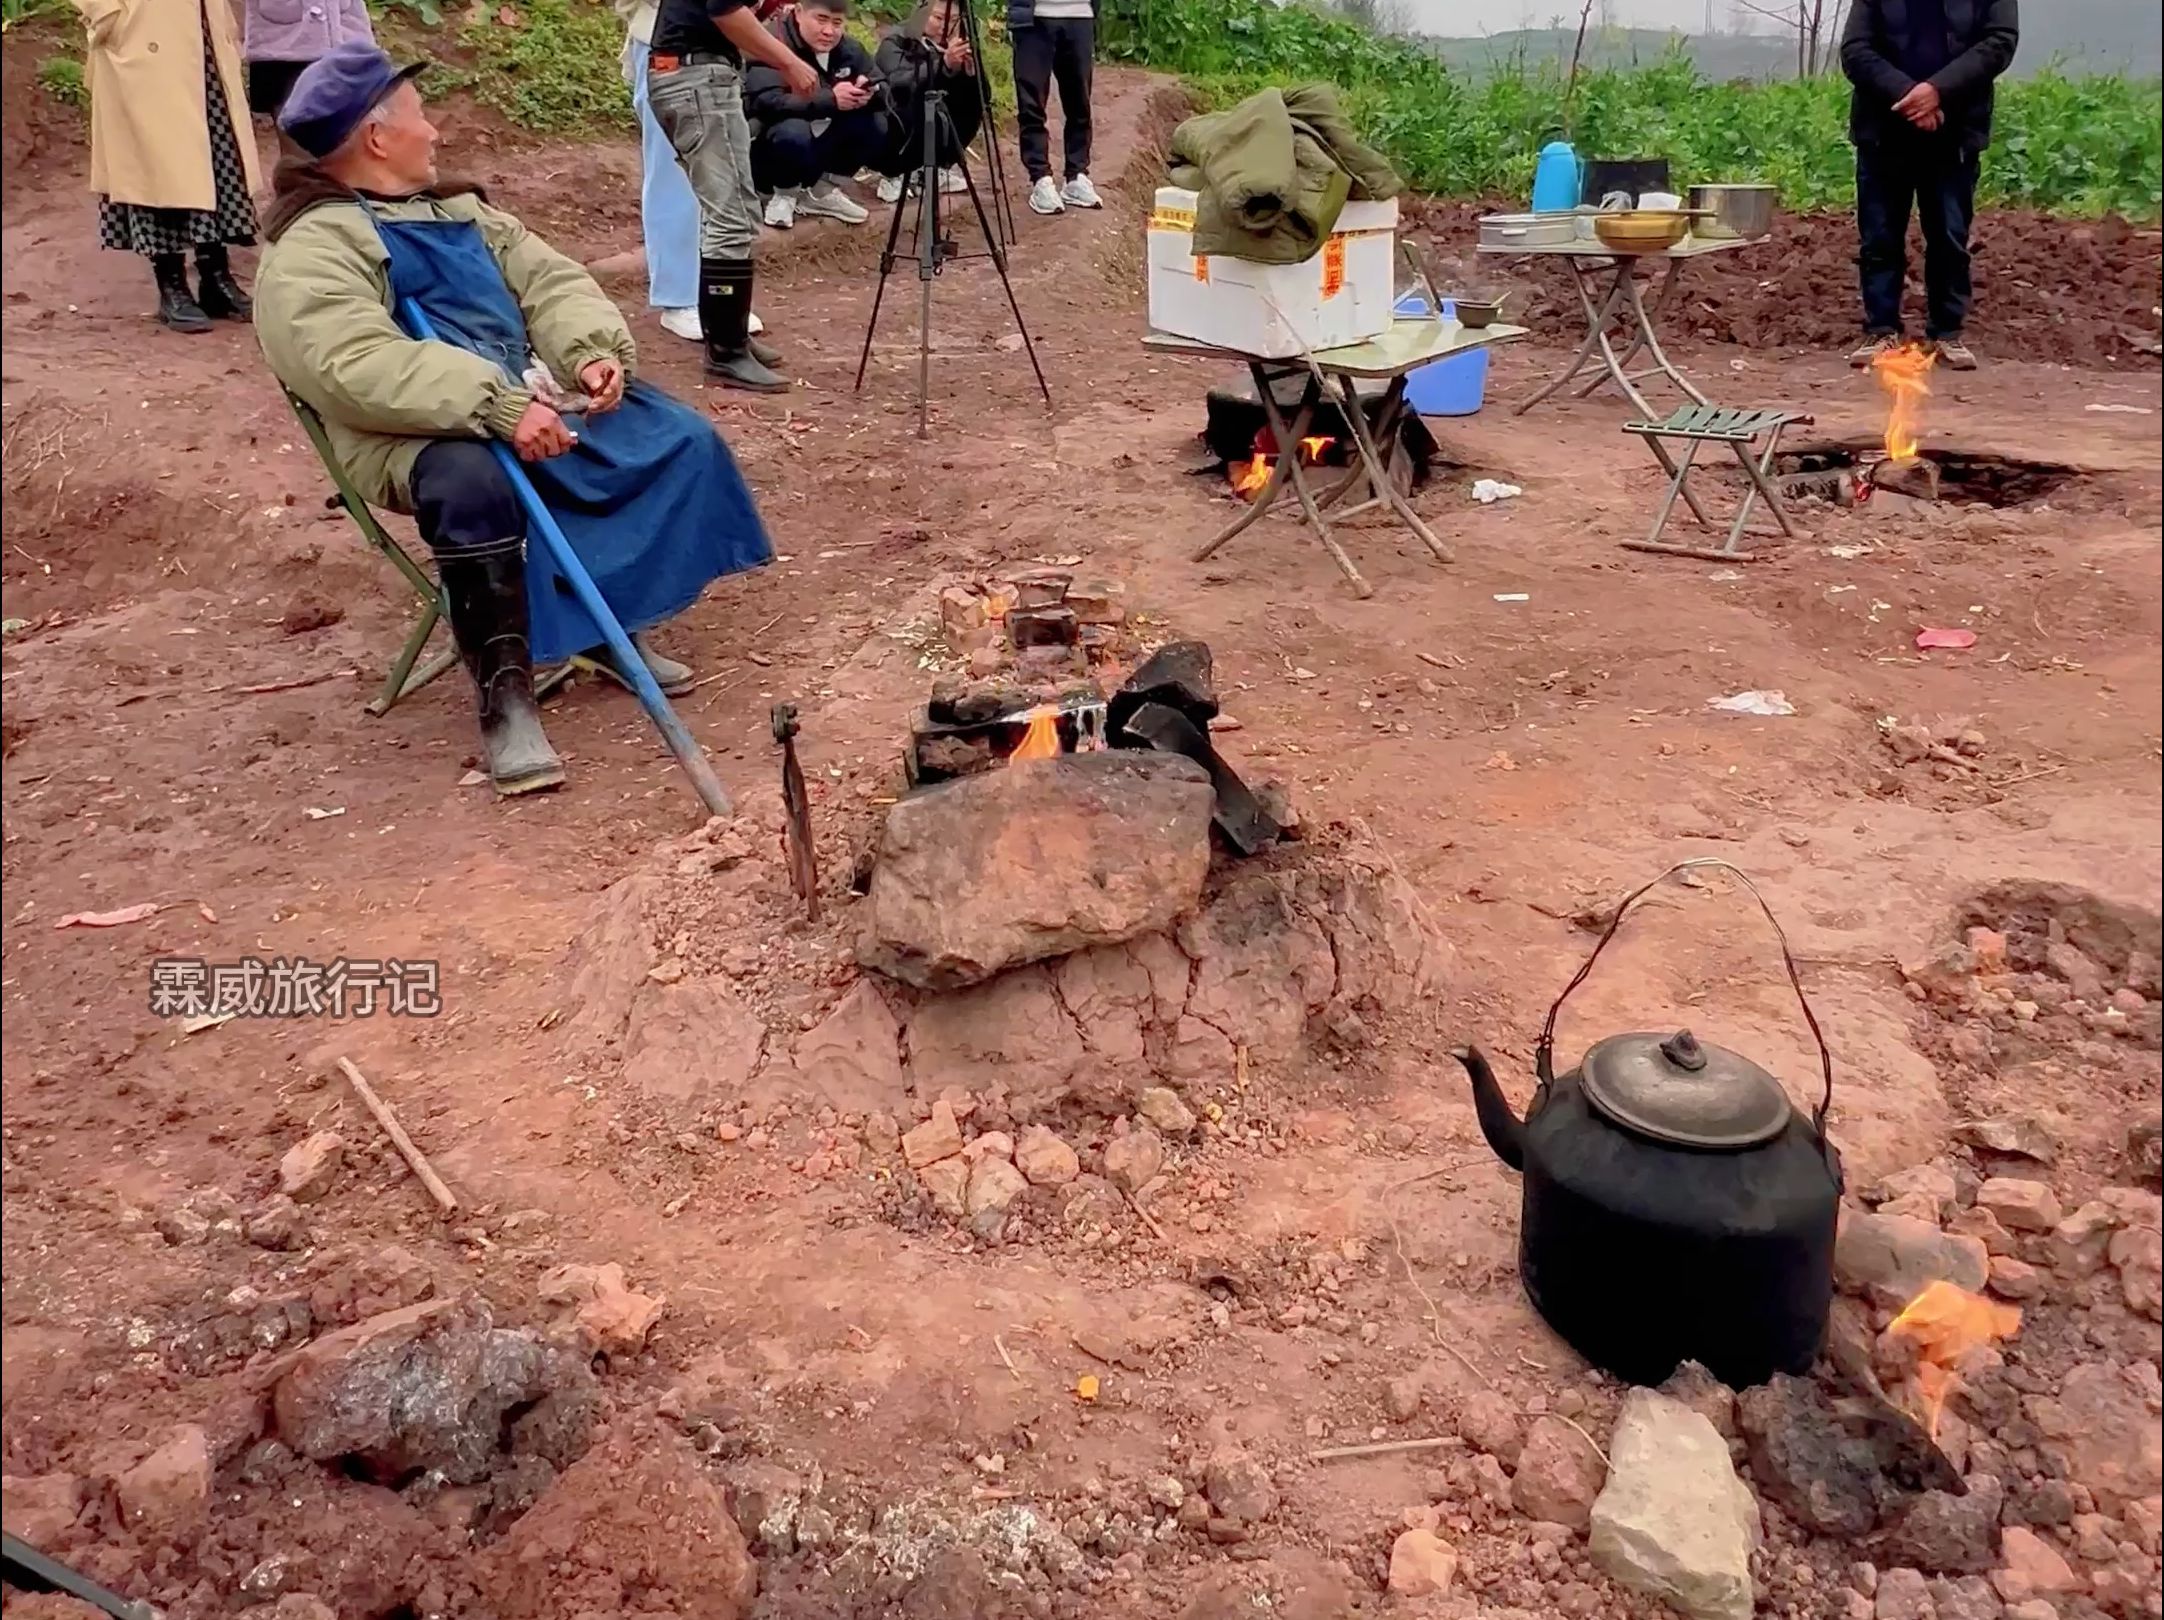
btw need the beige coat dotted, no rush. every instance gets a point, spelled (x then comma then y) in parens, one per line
(323, 317)
(149, 127)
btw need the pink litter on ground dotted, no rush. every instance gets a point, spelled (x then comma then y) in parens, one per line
(1952, 639)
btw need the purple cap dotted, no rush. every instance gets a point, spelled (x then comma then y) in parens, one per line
(335, 92)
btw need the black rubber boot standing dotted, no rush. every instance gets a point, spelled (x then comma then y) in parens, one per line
(484, 589)
(217, 292)
(725, 317)
(177, 307)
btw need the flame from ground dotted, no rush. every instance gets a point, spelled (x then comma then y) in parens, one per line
(1248, 479)
(1946, 1323)
(1041, 740)
(1905, 374)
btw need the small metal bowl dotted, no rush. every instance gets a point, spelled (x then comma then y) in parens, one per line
(1474, 313)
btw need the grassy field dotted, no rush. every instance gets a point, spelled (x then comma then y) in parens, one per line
(2081, 146)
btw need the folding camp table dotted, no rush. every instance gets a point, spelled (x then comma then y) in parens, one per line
(1589, 261)
(1390, 358)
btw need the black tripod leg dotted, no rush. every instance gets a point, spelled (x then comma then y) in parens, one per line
(886, 264)
(928, 254)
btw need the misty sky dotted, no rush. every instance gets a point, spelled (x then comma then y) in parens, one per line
(1460, 17)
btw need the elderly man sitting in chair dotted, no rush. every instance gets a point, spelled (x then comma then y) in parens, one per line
(528, 353)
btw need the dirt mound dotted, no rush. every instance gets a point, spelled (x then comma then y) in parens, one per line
(2084, 294)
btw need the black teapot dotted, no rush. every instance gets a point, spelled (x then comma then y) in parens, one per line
(1677, 1205)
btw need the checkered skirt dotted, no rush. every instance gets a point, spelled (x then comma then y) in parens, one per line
(136, 228)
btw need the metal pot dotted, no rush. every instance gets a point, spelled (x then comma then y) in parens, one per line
(1736, 211)
(1676, 1206)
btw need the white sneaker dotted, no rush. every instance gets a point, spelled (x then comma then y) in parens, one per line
(1044, 198)
(757, 325)
(951, 181)
(890, 188)
(1079, 193)
(781, 210)
(683, 323)
(828, 201)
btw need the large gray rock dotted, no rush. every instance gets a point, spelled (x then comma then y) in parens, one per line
(1812, 1468)
(1673, 1521)
(1034, 861)
(1945, 1534)
(423, 1387)
(1889, 1258)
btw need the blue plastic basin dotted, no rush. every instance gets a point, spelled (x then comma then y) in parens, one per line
(1457, 386)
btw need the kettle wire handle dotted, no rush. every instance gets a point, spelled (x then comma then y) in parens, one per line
(1544, 1052)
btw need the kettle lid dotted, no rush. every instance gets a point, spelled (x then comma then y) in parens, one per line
(1674, 1088)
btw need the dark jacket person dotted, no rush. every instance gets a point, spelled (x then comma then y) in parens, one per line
(930, 51)
(838, 127)
(1920, 117)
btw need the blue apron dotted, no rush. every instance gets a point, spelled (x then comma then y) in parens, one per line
(649, 497)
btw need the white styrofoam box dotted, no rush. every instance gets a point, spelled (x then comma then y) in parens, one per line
(1343, 294)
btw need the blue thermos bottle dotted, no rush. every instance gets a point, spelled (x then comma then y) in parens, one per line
(1556, 179)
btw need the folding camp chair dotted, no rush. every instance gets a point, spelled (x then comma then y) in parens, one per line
(1697, 426)
(404, 679)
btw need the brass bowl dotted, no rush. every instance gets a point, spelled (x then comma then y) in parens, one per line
(1642, 230)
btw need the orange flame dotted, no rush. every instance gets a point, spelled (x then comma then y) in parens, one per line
(1905, 374)
(1248, 480)
(1946, 1324)
(1313, 446)
(1041, 740)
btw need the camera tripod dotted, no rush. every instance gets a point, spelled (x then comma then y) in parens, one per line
(931, 248)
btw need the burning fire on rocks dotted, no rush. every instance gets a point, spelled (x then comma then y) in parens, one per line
(1250, 476)
(1944, 1325)
(1041, 740)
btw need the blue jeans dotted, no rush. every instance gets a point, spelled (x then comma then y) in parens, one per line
(1938, 180)
(668, 212)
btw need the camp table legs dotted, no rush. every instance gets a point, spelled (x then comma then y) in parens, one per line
(1702, 425)
(1286, 469)
(1620, 302)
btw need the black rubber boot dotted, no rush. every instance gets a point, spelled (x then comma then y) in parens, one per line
(177, 307)
(216, 291)
(725, 318)
(484, 589)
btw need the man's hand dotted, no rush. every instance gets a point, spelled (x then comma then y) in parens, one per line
(799, 76)
(851, 94)
(956, 55)
(603, 381)
(1921, 105)
(540, 434)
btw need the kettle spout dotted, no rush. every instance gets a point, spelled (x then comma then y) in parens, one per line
(1503, 1129)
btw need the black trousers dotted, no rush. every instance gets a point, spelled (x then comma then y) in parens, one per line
(462, 499)
(1938, 181)
(965, 112)
(789, 154)
(1062, 51)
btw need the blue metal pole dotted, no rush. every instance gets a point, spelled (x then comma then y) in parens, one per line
(544, 528)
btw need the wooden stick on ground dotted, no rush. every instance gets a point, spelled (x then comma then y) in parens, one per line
(1385, 1448)
(414, 1157)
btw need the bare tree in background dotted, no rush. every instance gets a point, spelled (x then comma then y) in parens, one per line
(1816, 25)
(1577, 52)
(1376, 16)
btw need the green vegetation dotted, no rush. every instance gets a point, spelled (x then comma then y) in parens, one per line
(13, 12)
(551, 66)
(61, 77)
(2081, 146)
